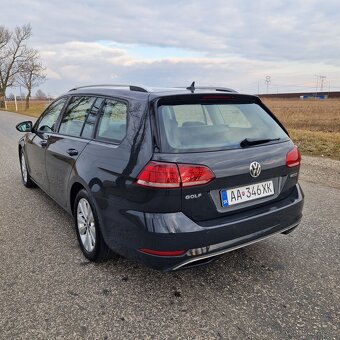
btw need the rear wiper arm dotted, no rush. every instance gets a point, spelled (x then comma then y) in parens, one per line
(249, 142)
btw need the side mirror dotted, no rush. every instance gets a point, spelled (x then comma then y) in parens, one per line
(25, 126)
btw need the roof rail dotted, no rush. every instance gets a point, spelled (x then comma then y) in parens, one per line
(131, 87)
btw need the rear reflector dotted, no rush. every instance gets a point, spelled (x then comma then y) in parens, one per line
(163, 253)
(172, 175)
(293, 157)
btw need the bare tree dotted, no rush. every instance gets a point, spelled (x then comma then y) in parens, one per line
(13, 54)
(40, 94)
(31, 74)
(5, 36)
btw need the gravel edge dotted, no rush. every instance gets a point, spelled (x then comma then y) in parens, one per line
(321, 170)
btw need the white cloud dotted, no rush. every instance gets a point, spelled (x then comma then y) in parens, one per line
(234, 42)
(75, 63)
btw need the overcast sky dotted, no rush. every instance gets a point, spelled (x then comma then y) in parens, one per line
(171, 43)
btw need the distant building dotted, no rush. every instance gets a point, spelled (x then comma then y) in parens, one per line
(315, 96)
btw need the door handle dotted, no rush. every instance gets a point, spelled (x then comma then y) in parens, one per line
(72, 152)
(43, 143)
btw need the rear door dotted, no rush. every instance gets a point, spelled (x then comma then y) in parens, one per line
(231, 136)
(75, 131)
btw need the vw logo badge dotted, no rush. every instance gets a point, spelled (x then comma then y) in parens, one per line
(254, 169)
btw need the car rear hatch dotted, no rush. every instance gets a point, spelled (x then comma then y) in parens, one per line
(242, 145)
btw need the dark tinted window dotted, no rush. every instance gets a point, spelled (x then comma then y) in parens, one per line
(91, 119)
(190, 127)
(50, 117)
(112, 124)
(75, 115)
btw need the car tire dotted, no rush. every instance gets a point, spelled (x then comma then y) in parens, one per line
(88, 230)
(25, 176)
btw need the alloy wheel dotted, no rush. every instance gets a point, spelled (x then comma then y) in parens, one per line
(23, 168)
(86, 225)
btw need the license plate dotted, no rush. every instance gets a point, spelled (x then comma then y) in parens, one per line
(246, 193)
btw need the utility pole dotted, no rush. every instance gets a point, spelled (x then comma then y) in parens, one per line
(16, 104)
(317, 85)
(320, 81)
(268, 81)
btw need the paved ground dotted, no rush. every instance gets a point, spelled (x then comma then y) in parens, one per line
(285, 287)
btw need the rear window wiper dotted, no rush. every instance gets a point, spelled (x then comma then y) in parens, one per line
(250, 142)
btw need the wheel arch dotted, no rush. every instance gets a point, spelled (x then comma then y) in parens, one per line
(76, 187)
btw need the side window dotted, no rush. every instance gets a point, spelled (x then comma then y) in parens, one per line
(91, 119)
(50, 117)
(75, 115)
(112, 124)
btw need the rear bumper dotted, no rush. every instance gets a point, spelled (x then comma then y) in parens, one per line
(205, 240)
(215, 250)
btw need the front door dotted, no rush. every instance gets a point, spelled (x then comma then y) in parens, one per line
(38, 141)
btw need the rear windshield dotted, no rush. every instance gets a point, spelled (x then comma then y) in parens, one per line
(199, 127)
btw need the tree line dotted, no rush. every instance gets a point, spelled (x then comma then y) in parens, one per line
(19, 63)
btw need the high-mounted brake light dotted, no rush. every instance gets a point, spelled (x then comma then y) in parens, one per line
(173, 175)
(162, 252)
(293, 157)
(218, 97)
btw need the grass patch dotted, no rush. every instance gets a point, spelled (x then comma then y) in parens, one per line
(311, 115)
(35, 109)
(314, 125)
(317, 143)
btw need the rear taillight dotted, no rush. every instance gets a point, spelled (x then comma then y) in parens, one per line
(195, 174)
(293, 157)
(172, 175)
(160, 175)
